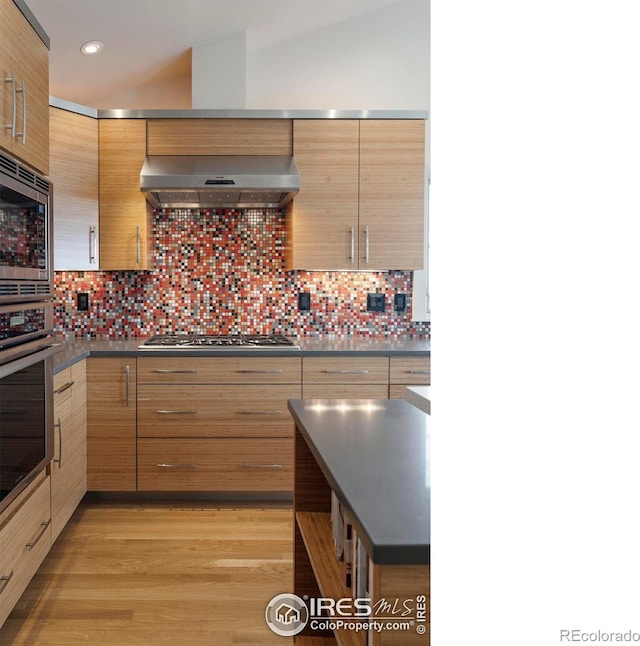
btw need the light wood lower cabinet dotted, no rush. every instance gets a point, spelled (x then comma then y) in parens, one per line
(69, 465)
(216, 424)
(345, 377)
(111, 424)
(233, 464)
(214, 411)
(25, 540)
(408, 371)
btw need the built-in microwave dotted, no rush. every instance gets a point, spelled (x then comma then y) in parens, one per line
(26, 262)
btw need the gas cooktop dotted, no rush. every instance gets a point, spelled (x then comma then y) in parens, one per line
(243, 341)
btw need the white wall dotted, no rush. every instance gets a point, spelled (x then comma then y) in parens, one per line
(170, 94)
(218, 73)
(377, 61)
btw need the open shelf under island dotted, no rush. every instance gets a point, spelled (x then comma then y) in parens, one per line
(362, 464)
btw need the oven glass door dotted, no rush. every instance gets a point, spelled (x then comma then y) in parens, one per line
(23, 232)
(25, 444)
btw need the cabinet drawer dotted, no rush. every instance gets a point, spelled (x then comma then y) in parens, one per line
(68, 381)
(345, 391)
(25, 539)
(62, 386)
(215, 411)
(410, 370)
(219, 370)
(345, 370)
(215, 465)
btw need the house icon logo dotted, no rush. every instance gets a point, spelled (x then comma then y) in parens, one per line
(286, 614)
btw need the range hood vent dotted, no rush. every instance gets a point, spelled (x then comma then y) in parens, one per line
(219, 181)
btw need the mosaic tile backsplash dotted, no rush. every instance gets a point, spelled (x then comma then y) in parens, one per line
(222, 271)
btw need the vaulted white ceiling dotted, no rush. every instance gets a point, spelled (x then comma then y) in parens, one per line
(150, 40)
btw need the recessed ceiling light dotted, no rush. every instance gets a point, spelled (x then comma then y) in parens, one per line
(92, 47)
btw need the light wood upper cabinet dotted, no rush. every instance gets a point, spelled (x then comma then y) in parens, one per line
(361, 199)
(74, 173)
(219, 137)
(322, 224)
(24, 58)
(392, 157)
(125, 216)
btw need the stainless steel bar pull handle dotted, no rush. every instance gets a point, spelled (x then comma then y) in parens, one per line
(65, 387)
(352, 255)
(261, 412)
(419, 372)
(23, 134)
(366, 245)
(346, 372)
(43, 529)
(4, 581)
(12, 126)
(138, 245)
(58, 425)
(93, 245)
(177, 412)
(274, 371)
(185, 465)
(248, 465)
(127, 383)
(177, 372)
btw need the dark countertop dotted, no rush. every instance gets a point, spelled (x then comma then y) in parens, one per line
(76, 349)
(375, 455)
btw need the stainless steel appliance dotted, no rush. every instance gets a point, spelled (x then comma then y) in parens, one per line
(26, 416)
(231, 341)
(219, 181)
(25, 233)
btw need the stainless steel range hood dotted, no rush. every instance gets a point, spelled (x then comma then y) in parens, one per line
(216, 181)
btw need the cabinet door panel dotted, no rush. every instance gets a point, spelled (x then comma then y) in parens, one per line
(74, 173)
(322, 222)
(392, 178)
(111, 424)
(219, 137)
(125, 216)
(27, 57)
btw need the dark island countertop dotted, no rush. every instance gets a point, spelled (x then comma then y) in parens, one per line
(76, 349)
(375, 456)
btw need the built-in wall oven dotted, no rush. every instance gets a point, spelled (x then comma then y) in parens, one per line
(26, 394)
(26, 328)
(25, 233)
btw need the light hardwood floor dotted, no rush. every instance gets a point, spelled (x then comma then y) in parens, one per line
(124, 574)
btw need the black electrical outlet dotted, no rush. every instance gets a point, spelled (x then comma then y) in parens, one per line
(82, 299)
(375, 303)
(304, 301)
(400, 302)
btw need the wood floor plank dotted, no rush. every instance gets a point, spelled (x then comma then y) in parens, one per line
(124, 574)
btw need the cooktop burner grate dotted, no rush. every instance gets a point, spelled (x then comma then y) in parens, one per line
(218, 341)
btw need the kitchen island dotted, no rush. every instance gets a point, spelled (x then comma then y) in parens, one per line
(373, 457)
